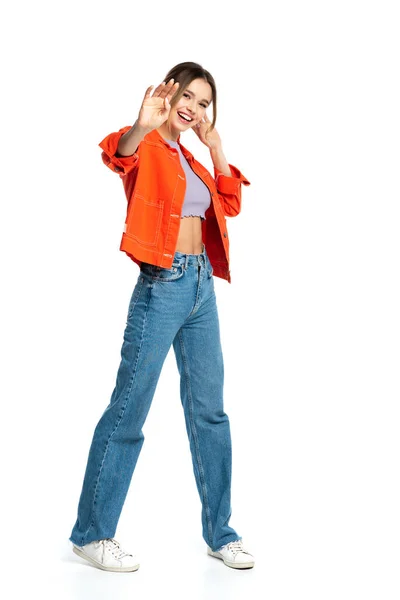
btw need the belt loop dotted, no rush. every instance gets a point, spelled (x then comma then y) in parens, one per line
(186, 261)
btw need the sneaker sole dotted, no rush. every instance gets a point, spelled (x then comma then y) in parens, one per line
(94, 562)
(248, 565)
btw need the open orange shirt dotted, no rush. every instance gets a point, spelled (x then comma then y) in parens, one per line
(154, 183)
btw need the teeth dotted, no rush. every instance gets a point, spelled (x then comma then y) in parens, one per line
(185, 117)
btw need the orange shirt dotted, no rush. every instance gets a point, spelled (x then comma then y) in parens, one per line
(154, 184)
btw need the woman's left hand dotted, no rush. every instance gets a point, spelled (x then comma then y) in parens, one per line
(212, 139)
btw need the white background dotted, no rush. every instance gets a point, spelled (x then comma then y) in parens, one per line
(309, 111)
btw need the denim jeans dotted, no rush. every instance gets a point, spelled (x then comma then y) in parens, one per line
(168, 306)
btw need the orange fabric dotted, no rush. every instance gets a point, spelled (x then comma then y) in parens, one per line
(154, 184)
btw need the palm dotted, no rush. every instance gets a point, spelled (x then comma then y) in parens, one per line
(211, 139)
(156, 108)
(153, 112)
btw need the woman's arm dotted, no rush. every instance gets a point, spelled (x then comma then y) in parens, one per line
(227, 177)
(153, 113)
(121, 148)
(130, 140)
(219, 160)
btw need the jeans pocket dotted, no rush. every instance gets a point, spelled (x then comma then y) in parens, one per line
(163, 274)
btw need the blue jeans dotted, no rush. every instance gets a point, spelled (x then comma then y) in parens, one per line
(168, 306)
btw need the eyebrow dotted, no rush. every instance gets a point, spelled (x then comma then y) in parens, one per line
(193, 94)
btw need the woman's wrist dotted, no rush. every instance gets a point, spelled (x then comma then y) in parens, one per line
(219, 161)
(140, 128)
(130, 140)
(216, 149)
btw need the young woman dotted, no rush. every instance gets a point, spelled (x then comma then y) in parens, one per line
(175, 230)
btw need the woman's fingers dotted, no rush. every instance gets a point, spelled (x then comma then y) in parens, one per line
(173, 89)
(148, 92)
(166, 89)
(158, 90)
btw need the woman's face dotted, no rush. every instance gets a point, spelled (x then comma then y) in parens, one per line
(191, 107)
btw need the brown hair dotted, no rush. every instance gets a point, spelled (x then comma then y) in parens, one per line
(184, 73)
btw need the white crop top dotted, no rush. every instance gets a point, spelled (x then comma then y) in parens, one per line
(197, 196)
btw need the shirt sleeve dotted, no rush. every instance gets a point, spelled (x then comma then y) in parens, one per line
(230, 190)
(118, 164)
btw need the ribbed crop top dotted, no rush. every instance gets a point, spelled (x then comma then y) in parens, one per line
(197, 196)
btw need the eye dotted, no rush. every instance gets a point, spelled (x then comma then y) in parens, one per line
(186, 95)
(204, 105)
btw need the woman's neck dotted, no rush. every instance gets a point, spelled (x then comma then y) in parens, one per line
(167, 134)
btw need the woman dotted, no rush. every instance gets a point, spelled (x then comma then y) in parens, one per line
(175, 210)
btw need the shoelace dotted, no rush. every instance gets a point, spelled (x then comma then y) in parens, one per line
(115, 548)
(236, 547)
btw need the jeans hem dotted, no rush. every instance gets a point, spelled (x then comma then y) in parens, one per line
(234, 539)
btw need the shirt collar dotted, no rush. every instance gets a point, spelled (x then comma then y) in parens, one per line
(154, 135)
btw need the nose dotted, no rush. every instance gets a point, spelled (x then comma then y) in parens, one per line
(191, 107)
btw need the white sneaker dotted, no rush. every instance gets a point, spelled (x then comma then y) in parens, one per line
(234, 555)
(107, 555)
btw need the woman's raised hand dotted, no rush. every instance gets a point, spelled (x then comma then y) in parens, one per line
(210, 139)
(156, 108)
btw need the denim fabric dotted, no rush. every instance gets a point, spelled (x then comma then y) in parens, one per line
(168, 306)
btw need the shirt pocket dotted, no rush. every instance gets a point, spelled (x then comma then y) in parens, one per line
(144, 219)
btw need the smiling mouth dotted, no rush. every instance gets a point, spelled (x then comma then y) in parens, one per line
(184, 118)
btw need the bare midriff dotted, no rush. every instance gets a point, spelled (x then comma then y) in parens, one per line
(190, 238)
